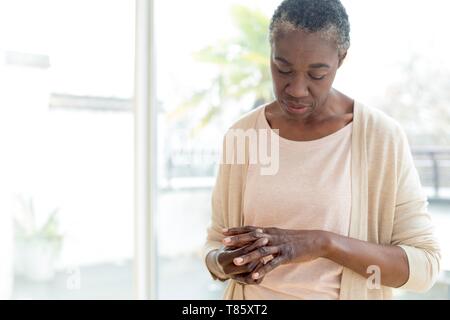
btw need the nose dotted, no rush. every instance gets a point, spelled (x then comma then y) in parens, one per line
(298, 87)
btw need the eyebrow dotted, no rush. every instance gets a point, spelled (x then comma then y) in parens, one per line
(314, 65)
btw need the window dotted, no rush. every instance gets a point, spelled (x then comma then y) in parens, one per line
(68, 127)
(214, 67)
(66, 73)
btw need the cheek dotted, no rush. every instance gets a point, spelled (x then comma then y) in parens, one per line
(276, 84)
(279, 83)
(320, 87)
(319, 91)
(323, 87)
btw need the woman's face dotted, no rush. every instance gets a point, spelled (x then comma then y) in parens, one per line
(303, 68)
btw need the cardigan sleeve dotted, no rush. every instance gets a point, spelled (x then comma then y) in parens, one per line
(214, 231)
(214, 234)
(413, 228)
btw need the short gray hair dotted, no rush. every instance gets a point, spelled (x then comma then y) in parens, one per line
(328, 17)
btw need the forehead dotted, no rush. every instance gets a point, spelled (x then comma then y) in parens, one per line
(298, 46)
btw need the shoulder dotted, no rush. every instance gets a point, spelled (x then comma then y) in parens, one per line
(379, 125)
(248, 119)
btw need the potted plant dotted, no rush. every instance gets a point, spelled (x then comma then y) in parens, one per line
(37, 246)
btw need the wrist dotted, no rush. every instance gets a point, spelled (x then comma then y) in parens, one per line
(214, 266)
(318, 243)
(325, 243)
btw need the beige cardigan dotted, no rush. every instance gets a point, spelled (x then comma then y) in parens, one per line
(388, 204)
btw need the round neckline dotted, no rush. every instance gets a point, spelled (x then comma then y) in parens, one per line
(310, 143)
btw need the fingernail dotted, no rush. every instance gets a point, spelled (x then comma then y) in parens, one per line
(265, 241)
(259, 230)
(238, 260)
(255, 275)
(225, 230)
(227, 240)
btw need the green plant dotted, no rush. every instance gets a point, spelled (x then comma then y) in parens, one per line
(26, 225)
(242, 68)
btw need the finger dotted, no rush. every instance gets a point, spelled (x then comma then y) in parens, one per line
(226, 257)
(266, 259)
(251, 247)
(259, 280)
(240, 230)
(241, 270)
(256, 255)
(250, 280)
(261, 272)
(241, 279)
(242, 239)
(246, 270)
(247, 277)
(227, 254)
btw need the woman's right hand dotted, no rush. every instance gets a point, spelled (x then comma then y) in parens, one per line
(224, 257)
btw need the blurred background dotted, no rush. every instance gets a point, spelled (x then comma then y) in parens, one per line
(67, 129)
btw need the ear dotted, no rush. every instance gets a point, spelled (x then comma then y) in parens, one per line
(341, 58)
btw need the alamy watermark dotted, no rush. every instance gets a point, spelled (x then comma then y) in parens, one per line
(374, 280)
(73, 281)
(255, 146)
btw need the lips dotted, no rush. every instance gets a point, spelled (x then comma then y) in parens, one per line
(296, 108)
(297, 105)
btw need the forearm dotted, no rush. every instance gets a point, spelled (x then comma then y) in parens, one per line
(359, 255)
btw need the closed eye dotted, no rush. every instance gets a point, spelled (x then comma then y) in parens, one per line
(284, 72)
(290, 72)
(317, 78)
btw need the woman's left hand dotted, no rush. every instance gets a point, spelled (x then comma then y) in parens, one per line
(285, 246)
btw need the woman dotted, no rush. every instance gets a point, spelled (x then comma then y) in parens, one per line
(344, 216)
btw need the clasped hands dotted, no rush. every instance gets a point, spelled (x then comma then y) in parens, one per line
(249, 253)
